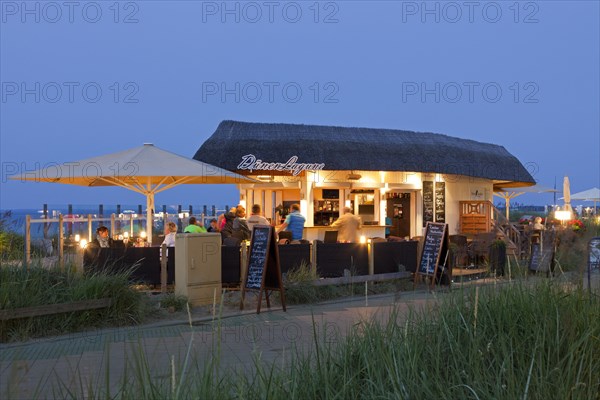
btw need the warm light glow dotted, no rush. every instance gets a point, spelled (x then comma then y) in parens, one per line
(347, 203)
(77, 238)
(143, 234)
(363, 239)
(303, 207)
(120, 237)
(243, 203)
(562, 215)
(82, 243)
(412, 178)
(126, 235)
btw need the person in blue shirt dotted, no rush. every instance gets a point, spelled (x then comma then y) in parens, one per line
(294, 222)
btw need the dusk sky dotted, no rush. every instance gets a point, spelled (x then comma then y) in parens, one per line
(83, 79)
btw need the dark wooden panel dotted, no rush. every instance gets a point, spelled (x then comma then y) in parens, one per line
(230, 265)
(333, 258)
(293, 255)
(388, 256)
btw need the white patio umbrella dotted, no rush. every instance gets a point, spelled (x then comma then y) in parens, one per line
(510, 193)
(592, 194)
(146, 169)
(567, 194)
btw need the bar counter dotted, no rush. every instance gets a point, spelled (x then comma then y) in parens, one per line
(318, 232)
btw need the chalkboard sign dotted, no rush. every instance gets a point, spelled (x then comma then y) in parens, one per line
(541, 257)
(535, 257)
(428, 204)
(594, 253)
(435, 247)
(264, 271)
(257, 259)
(440, 202)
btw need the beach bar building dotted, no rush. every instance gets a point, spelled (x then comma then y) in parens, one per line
(395, 180)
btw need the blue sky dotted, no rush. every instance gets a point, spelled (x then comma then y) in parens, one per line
(91, 78)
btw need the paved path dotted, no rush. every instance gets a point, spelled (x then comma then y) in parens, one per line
(36, 369)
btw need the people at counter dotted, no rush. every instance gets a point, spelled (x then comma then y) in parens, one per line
(294, 222)
(348, 226)
(256, 218)
(194, 226)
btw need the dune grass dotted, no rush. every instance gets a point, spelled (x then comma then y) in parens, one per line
(506, 342)
(38, 286)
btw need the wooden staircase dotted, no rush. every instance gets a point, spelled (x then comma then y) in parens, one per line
(477, 217)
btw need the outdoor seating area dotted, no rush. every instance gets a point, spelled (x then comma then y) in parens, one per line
(332, 259)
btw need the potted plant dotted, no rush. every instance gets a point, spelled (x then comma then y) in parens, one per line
(497, 257)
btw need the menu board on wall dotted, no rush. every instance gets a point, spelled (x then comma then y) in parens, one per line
(428, 203)
(440, 202)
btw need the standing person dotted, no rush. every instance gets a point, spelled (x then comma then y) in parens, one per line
(240, 225)
(256, 218)
(294, 222)
(170, 236)
(102, 239)
(348, 226)
(223, 220)
(227, 228)
(194, 226)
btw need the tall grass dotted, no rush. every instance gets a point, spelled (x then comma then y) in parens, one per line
(523, 342)
(46, 286)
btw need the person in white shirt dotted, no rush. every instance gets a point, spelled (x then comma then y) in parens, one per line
(348, 226)
(256, 218)
(170, 236)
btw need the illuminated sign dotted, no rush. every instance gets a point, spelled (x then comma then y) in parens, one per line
(250, 163)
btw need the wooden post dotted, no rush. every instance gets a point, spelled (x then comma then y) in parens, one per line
(27, 255)
(46, 227)
(370, 258)
(112, 225)
(70, 213)
(61, 242)
(313, 255)
(131, 225)
(163, 268)
(243, 262)
(89, 221)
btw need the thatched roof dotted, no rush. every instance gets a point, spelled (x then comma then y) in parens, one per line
(362, 149)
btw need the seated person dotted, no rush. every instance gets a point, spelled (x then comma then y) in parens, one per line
(92, 250)
(214, 226)
(240, 225)
(194, 226)
(102, 239)
(537, 224)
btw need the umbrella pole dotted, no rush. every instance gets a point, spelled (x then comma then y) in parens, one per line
(149, 217)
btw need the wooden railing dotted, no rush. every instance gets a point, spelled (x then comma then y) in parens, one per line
(512, 235)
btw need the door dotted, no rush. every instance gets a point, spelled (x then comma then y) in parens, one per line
(398, 210)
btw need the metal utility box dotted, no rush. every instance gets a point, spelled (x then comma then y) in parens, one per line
(198, 267)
